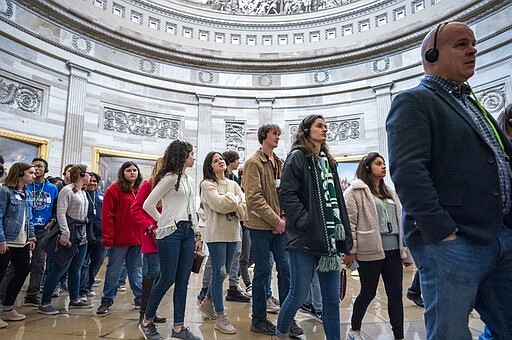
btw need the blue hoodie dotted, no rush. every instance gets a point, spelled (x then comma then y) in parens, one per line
(44, 196)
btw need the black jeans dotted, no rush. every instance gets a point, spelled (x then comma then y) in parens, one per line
(392, 274)
(20, 259)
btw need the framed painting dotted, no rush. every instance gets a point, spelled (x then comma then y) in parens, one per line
(347, 167)
(18, 147)
(106, 163)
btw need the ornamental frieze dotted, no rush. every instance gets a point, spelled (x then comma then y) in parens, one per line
(337, 130)
(20, 96)
(493, 98)
(140, 124)
(6, 8)
(235, 138)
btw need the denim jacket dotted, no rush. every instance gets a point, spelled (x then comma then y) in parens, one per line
(11, 214)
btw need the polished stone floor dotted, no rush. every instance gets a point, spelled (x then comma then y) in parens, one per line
(121, 323)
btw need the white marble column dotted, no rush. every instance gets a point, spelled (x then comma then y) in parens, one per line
(265, 110)
(383, 103)
(204, 133)
(74, 126)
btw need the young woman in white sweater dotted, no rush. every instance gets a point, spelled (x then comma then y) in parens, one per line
(177, 236)
(224, 206)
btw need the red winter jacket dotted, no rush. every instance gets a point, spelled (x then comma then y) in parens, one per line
(143, 219)
(118, 226)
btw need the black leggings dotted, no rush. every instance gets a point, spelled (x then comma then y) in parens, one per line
(20, 259)
(392, 274)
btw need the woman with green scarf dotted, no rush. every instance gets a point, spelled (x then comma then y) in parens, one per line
(317, 225)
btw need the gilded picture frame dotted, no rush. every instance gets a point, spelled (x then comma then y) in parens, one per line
(106, 163)
(347, 166)
(20, 147)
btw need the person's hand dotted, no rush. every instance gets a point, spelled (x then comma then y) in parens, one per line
(450, 237)
(280, 227)
(349, 259)
(407, 264)
(3, 248)
(63, 240)
(199, 246)
(32, 244)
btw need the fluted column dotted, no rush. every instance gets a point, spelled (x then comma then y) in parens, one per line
(265, 110)
(74, 126)
(204, 133)
(383, 103)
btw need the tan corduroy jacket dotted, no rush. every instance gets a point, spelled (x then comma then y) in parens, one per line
(364, 223)
(261, 195)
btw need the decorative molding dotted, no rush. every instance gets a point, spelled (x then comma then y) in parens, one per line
(146, 65)
(81, 44)
(205, 77)
(6, 8)
(339, 129)
(140, 124)
(235, 138)
(265, 80)
(20, 96)
(321, 77)
(493, 98)
(381, 65)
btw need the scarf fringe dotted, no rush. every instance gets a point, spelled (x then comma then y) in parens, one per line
(329, 263)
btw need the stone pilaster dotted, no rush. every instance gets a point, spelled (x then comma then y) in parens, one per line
(204, 133)
(383, 104)
(74, 126)
(265, 110)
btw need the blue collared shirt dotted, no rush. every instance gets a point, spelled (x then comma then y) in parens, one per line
(461, 94)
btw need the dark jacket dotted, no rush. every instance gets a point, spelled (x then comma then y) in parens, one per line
(300, 200)
(444, 172)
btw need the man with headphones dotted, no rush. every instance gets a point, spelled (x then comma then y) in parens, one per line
(44, 212)
(449, 161)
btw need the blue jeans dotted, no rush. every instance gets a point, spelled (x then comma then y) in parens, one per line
(150, 266)
(55, 272)
(263, 242)
(132, 256)
(302, 267)
(315, 293)
(176, 252)
(459, 275)
(221, 256)
(92, 264)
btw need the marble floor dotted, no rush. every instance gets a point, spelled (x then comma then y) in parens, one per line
(121, 323)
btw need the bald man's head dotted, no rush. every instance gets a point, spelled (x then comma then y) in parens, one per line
(456, 52)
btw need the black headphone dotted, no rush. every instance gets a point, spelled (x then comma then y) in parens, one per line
(2, 170)
(22, 172)
(366, 165)
(44, 162)
(306, 132)
(432, 54)
(82, 172)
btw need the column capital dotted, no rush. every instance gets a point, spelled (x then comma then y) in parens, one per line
(78, 71)
(205, 99)
(383, 89)
(265, 102)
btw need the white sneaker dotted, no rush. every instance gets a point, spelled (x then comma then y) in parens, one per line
(272, 307)
(223, 325)
(207, 310)
(3, 324)
(354, 335)
(12, 315)
(248, 291)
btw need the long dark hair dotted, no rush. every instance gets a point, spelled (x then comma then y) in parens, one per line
(365, 174)
(207, 166)
(124, 184)
(174, 158)
(16, 171)
(301, 139)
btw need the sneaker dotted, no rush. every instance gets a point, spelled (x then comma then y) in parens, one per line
(91, 294)
(295, 330)
(121, 288)
(235, 295)
(308, 308)
(159, 319)
(32, 300)
(275, 301)
(96, 283)
(79, 304)
(12, 315)
(185, 334)
(318, 316)
(202, 294)
(248, 291)
(263, 327)
(56, 293)
(47, 310)
(136, 305)
(207, 310)
(64, 286)
(354, 335)
(272, 307)
(83, 297)
(149, 331)
(104, 308)
(223, 325)
(416, 298)
(3, 324)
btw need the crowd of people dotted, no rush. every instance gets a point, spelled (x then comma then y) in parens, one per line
(295, 214)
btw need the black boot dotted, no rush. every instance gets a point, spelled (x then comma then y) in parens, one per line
(235, 295)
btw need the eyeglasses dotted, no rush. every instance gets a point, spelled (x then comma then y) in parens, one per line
(39, 166)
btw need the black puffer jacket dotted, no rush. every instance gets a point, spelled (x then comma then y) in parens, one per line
(300, 200)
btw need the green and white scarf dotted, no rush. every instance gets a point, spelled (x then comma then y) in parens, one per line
(332, 217)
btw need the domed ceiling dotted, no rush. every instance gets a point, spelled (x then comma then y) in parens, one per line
(258, 35)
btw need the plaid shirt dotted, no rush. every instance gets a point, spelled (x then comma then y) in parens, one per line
(461, 94)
